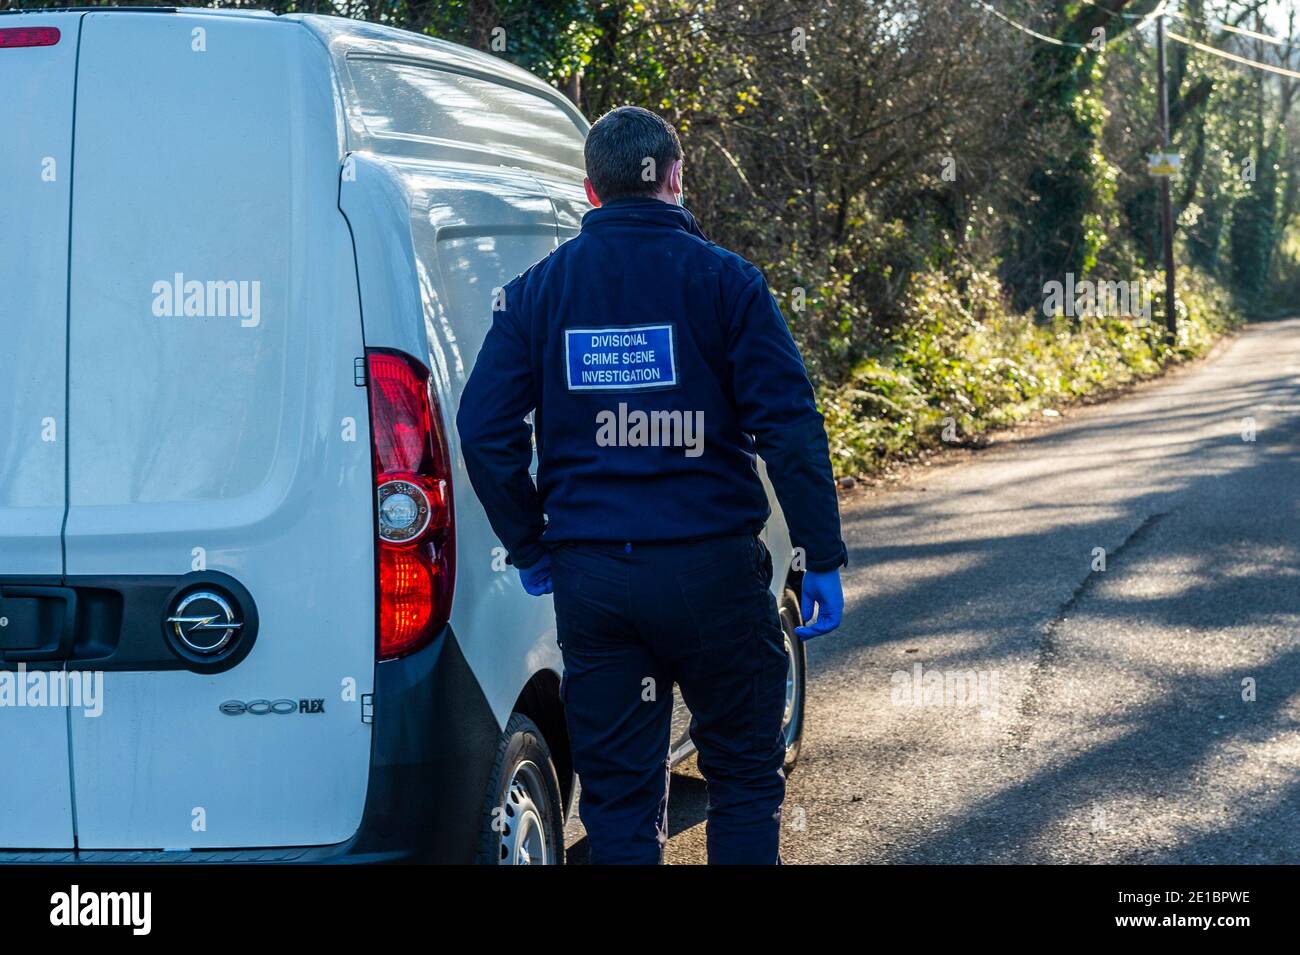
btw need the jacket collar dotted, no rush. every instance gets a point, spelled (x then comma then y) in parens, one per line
(638, 211)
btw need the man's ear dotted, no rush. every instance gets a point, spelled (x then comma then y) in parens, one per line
(591, 193)
(675, 178)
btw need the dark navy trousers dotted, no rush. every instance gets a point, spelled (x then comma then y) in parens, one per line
(632, 620)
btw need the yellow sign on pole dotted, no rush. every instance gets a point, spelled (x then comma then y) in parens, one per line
(1164, 164)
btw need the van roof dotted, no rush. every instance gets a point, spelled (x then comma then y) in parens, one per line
(343, 35)
(142, 9)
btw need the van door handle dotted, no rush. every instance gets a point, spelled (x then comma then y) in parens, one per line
(40, 623)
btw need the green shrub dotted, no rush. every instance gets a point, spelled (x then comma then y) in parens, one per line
(963, 365)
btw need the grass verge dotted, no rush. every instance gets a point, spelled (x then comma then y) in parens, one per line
(963, 366)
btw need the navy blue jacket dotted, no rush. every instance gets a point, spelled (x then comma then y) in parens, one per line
(631, 342)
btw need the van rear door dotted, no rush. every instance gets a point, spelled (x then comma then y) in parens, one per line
(216, 427)
(37, 74)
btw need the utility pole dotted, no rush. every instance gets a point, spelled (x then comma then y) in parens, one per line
(1166, 203)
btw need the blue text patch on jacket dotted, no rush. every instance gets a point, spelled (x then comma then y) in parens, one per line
(620, 358)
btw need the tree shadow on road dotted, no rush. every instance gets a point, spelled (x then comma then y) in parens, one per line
(1230, 528)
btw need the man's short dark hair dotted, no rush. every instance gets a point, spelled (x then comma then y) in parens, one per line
(618, 147)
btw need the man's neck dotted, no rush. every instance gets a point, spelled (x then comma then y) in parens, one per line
(669, 199)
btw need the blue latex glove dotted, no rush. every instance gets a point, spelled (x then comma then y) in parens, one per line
(537, 578)
(823, 590)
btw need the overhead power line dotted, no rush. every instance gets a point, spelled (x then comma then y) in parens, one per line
(1215, 51)
(1125, 16)
(1024, 29)
(1055, 41)
(1241, 31)
(1220, 24)
(1144, 20)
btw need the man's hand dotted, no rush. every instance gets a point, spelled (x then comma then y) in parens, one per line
(537, 578)
(824, 591)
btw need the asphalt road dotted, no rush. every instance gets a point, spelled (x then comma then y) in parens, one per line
(1089, 715)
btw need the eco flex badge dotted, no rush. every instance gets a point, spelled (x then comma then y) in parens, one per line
(620, 359)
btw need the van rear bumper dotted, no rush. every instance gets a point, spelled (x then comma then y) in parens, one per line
(432, 750)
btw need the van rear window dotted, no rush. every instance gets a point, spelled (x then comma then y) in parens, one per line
(406, 101)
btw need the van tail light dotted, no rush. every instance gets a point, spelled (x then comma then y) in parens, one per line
(415, 524)
(11, 37)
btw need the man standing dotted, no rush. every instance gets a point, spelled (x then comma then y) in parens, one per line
(657, 365)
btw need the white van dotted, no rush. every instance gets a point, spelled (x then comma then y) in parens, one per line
(246, 263)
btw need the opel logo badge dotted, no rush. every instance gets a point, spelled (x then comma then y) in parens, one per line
(204, 622)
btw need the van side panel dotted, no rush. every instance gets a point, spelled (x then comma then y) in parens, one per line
(374, 200)
(465, 231)
(485, 227)
(35, 185)
(234, 441)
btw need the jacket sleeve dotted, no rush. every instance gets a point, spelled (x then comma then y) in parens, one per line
(496, 440)
(775, 403)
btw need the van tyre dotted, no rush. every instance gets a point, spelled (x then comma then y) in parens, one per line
(522, 813)
(792, 721)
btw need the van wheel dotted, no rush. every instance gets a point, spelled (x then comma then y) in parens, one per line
(796, 683)
(522, 813)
